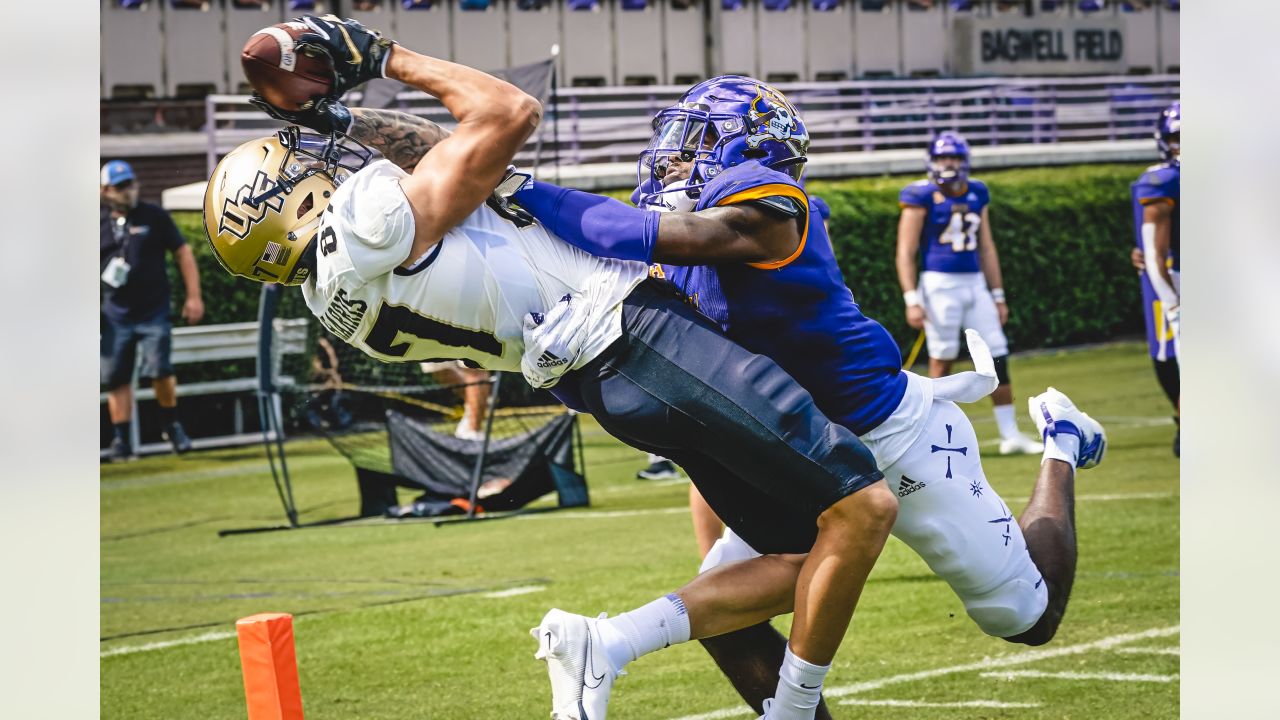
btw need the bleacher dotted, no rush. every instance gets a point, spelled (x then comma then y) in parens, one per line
(190, 48)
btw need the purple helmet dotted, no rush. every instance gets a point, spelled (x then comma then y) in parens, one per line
(948, 143)
(1169, 132)
(717, 124)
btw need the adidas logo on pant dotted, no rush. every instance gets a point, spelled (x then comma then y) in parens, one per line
(908, 486)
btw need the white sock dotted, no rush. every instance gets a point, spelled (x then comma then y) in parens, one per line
(1062, 447)
(1007, 421)
(651, 627)
(799, 688)
(655, 459)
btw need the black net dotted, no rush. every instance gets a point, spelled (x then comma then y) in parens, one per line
(424, 426)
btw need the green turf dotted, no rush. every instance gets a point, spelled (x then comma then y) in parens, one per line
(393, 622)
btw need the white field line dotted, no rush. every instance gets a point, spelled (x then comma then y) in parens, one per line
(1150, 651)
(924, 704)
(989, 663)
(206, 637)
(512, 592)
(575, 514)
(1112, 677)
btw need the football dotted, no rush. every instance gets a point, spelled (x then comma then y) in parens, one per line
(285, 76)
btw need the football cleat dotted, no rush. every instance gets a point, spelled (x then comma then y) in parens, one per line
(177, 437)
(121, 451)
(581, 674)
(661, 470)
(1055, 414)
(1020, 445)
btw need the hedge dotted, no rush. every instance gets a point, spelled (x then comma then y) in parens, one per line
(1063, 234)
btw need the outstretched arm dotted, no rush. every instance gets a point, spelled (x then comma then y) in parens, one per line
(401, 138)
(462, 169)
(609, 228)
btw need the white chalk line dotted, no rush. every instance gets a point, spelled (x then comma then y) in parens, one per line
(512, 592)
(1150, 651)
(988, 663)
(206, 637)
(924, 704)
(578, 515)
(1110, 677)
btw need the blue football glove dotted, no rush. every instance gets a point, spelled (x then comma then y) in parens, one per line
(322, 114)
(358, 54)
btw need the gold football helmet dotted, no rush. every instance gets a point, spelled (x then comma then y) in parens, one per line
(263, 204)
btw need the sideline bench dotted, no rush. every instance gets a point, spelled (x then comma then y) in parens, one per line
(211, 343)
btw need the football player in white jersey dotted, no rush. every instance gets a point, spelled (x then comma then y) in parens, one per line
(415, 260)
(944, 219)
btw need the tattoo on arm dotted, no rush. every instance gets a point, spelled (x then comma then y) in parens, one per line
(400, 137)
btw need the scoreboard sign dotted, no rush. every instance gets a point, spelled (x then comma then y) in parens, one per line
(1037, 46)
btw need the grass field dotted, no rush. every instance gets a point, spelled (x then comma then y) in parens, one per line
(415, 621)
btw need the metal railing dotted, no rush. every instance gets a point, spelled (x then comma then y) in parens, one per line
(585, 126)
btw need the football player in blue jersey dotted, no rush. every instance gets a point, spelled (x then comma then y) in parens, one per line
(945, 219)
(1155, 222)
(742, 246)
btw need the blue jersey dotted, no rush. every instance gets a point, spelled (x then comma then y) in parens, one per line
(1158, 184)
(949, 240)
(798, 310)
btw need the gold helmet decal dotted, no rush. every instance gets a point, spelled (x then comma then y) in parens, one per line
(263, 204)
(240, 213)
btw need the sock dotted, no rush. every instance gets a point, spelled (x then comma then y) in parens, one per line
(1062, 447)
(168, 415)
(121, 431)
(655, 459)
(651, 627)
(1006, 420)
(799, 688)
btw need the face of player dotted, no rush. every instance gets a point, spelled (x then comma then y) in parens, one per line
(680, 167)
(121, 197)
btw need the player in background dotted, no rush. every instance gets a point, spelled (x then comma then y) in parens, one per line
(735, 144)
(1155, 220)
(945, 219)
(428, 263)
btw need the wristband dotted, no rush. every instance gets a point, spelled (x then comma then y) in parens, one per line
(912, 297)
(997, 294)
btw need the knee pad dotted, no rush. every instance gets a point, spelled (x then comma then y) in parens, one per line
(728, 549)
(1009, 609)
(1002, 369)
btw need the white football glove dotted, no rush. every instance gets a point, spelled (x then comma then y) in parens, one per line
(553, 342)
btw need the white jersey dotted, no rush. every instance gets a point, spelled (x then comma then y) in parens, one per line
(468, 297)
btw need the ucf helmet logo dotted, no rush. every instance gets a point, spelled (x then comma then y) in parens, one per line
(239, 216)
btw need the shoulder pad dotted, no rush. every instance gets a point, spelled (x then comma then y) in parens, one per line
(779, 205)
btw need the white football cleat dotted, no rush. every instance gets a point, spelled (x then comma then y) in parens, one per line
(1020, 445)
(580, 671)
(1054, 414)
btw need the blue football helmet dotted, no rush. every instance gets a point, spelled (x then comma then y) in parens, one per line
(948, 143)
(717, 124)
(1169, 134)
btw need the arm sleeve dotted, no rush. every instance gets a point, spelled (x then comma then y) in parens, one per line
(1153, 188)
(378, 227)
(984, 195)
(910, 196)
(821, 206)
(599, 225)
